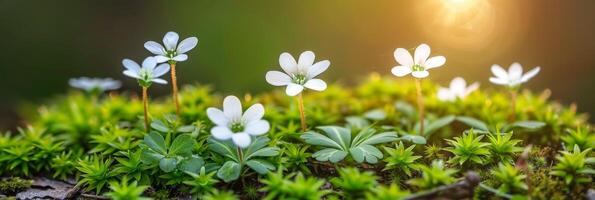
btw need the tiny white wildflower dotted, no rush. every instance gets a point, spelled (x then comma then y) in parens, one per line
(419, 64)
(298, 74)
(95, 84)
(458, 89)
(172, 52)
(149, 72)
(230, 123)
(514, 77)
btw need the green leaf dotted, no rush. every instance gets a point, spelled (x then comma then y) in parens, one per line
(192, 165)
(186, 129)
(260, 166)
(150, 157)
(155, 141)
(366, 152)
(223, 148)
(381, 138)
(438, 124)
(159, 126)
(264, 152)
(229, 171)
(182, 145)
(414, 138)
(338, 134)
(475, 123)
(376, 114)
(329, 154)
(356, 122)
(532, 125)
(258, 143)
(314, 138)
(405, 108)
(168, 164)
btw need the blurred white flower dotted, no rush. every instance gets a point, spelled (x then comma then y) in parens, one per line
(172, 51)
(298, 74)
(458, 89)
(230, 123)
(149, 72)
(514, 77)
(419, 64)
(95, 84)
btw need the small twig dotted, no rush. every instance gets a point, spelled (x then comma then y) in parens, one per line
(496, 192)
(94, 196)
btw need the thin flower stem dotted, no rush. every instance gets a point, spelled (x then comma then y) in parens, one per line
(420, 105)
(302, 113)
(174, 84)
(513, 97)
(240, 154)
(146, 108)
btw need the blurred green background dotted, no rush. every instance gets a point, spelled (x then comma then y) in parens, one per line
(44, 43)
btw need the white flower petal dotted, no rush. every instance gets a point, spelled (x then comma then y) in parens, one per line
(131, 65)
(149, 63)
(241, 140)
(254, 113)
(288, 63)
(132, 74)
(315, 84)
(444, 94)
(170, 40)
(221, 133)
(403, 57)
(470, 89)
(187, 45)
(305, 61)
(515, 71)
(420, 74)
(154, 48)
(258, 127)
(277, 78)
(180, 58)
(401, 71)
(422, 52)
(158, 80)
(217, 116)
(458, 86)
(434, 62)
(499, 81)
(530, 74)
(318, 68)
(232, 107)
(160, 70)
(499, 72)
(161, 59)
(293, 89)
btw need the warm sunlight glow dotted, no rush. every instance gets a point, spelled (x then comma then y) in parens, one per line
(466, 23)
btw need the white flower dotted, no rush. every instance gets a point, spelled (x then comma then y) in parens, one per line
(458, 89)
(95, 84)
(419, 64)
(172, 51)
(298, 74)
(514, 76)
(232, 124)
(148, 73)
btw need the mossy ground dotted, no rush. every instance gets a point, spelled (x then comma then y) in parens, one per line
(76, 127)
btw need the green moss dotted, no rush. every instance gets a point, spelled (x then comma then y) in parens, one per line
(14, 185)
(99, 139)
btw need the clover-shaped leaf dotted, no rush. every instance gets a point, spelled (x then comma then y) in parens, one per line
(339, 144)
